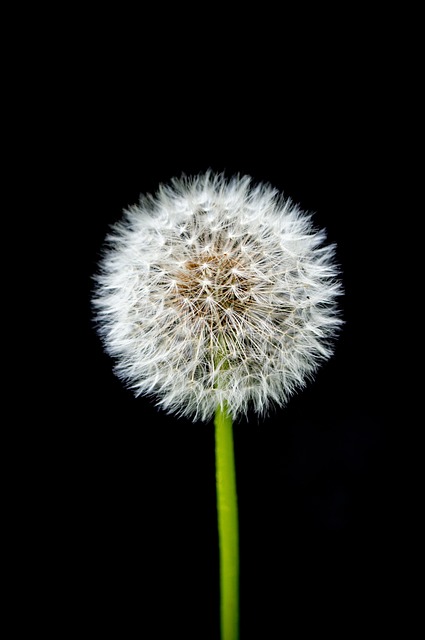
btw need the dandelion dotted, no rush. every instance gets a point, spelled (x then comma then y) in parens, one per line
(217, 292)
(217, 297)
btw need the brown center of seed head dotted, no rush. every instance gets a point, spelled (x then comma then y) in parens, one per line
(213, 284)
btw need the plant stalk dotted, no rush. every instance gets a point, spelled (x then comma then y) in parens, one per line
(228, 527)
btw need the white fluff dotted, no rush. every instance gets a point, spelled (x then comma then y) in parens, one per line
(217, 291)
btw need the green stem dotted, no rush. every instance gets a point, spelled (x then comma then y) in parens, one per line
(228, 530)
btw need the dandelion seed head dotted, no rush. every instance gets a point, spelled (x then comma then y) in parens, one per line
(217, 290)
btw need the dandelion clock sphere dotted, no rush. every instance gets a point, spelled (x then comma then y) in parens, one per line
(217, 291)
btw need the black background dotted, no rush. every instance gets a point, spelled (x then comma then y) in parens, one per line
(130, 491)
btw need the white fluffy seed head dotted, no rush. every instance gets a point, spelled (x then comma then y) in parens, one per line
(217, 291)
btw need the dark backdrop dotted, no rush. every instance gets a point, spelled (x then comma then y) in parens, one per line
(130, 490)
